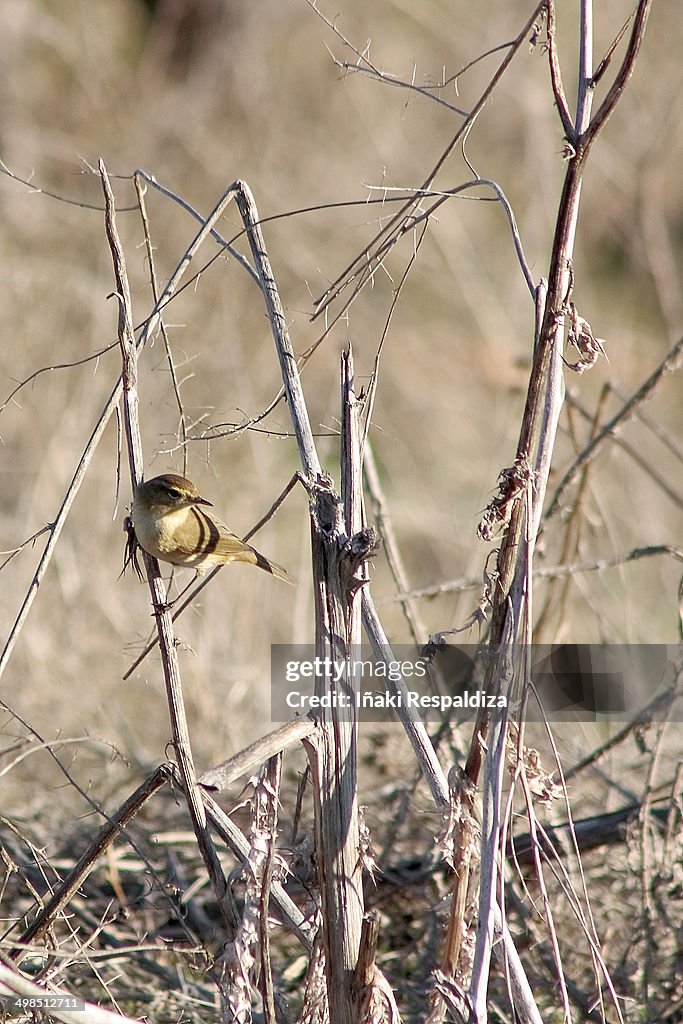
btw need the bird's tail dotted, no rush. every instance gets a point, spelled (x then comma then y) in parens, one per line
(272, 567)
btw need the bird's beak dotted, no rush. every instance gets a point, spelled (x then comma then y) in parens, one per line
(202, 501)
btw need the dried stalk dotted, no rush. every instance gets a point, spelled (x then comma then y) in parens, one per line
(15, 985)
(283, 345)
(251, 757)
(338, 548)
(512, 558)
(489, 915)
(522, 488)
(332, 750)
(411, 721)
(169, 657)
(580, 141)
(247, 958)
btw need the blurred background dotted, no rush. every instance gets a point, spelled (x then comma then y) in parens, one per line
(199, 94)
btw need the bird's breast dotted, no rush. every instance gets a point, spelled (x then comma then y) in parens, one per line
(157, 533)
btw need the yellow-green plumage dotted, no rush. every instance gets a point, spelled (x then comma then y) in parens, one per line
(171, 525)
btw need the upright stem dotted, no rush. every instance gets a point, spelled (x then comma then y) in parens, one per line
(169, 657)
(584, 96)
(333, 750)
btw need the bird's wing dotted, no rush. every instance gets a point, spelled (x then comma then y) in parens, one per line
(216, 539)
(219, 542)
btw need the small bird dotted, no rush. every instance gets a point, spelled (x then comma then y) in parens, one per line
(170, 524)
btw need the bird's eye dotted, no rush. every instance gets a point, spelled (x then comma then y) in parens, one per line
(174, 493)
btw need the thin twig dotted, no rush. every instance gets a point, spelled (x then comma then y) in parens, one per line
(364, 66)
(25, 543)
(58, 526)
(659, 704)
(109, 832)
(607, 59)
(371, 390)
(390, 545)
(625, 71)
(586, 919)
(556, 74)
(397, 224)
(149, 249)
(643, 461)
(94, 357)
(542, 572)
(669, 364)
(670, 443)
(169, 654)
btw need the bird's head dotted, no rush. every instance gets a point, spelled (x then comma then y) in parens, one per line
(168, 493)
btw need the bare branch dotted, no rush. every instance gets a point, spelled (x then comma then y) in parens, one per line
(669, 364)
(556, 75)
(607, 59)
(109, 832)
(623, 74)
(169, 654)
(541, 572)
(397, 224)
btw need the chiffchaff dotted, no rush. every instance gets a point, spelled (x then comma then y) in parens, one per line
(171, 525)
